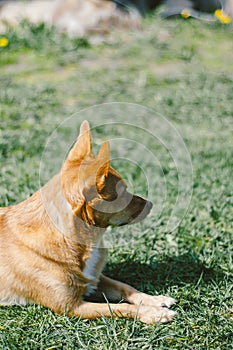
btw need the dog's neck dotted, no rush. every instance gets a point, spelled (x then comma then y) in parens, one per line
(58, 210)
(55, 213)
(47, 214)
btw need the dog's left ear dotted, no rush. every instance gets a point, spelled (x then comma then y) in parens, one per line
(71, 181)
(103, 164)
(83, 146)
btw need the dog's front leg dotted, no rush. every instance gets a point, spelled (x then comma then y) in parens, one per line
(146, 314)
(115, 290)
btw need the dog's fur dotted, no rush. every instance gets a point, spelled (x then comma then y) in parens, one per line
(51, 250)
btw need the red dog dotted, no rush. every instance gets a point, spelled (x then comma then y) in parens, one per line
(51, 249)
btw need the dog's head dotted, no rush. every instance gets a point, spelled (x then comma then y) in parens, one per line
(96, 192)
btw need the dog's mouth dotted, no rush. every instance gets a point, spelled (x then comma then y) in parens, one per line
(142, 214)
(135, 217)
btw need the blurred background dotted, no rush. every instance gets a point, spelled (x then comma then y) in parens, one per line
(155, 78)
(81, 17)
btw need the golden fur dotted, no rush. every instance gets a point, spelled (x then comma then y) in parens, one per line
(51, 249)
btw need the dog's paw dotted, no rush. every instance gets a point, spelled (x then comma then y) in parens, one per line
(152, 314)
(159, 301)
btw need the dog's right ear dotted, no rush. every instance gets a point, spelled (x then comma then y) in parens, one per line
(83, 146)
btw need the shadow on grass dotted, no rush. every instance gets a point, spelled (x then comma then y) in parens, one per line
(179, 271)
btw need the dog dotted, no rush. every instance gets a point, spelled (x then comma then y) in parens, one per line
(51, 244)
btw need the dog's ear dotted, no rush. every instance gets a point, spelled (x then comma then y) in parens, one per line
(103, 164)
(83, 146)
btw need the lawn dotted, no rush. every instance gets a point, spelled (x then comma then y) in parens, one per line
(163, 96)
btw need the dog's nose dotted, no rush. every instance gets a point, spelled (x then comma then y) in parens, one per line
(149, 205)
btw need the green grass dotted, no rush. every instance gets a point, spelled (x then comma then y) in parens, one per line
(181, 70)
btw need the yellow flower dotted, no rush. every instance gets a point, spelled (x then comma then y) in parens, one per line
(222, 16)
(185, 13)
(3, 42)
